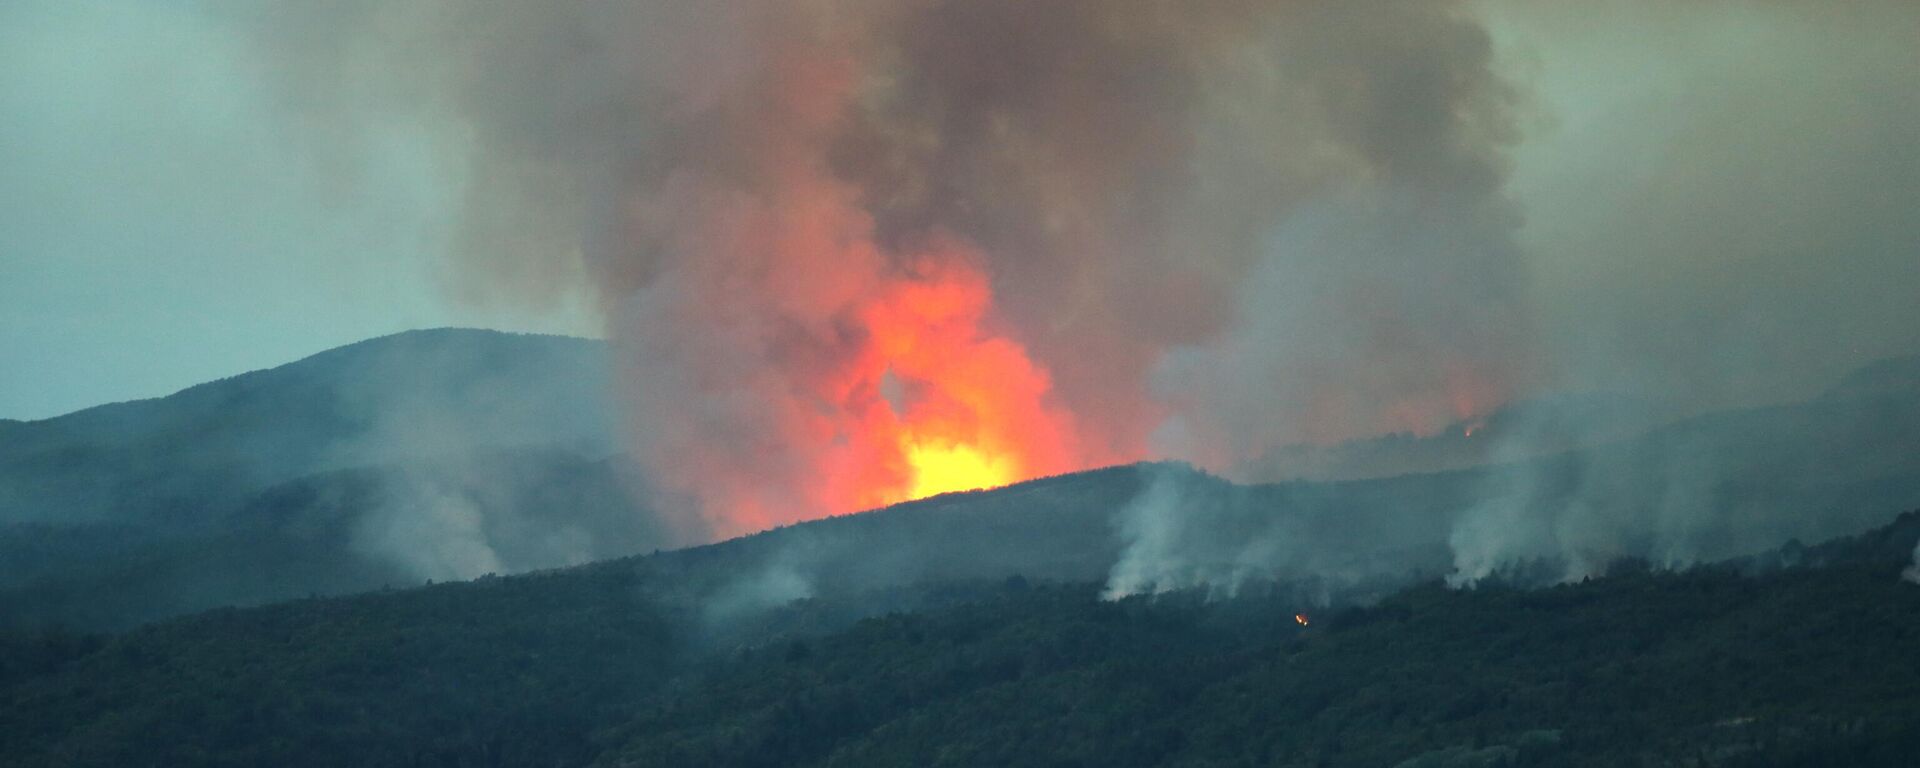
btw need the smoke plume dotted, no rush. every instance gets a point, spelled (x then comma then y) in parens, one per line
(858, 251)
(851, 246)
(1187, 530)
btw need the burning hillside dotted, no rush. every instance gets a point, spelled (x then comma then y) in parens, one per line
(902, 248)
(857, 251)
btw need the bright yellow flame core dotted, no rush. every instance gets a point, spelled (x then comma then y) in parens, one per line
(941, 468)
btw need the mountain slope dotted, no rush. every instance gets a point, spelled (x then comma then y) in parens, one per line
(391, 495)
(174, 460)
(1632, 669)
(618, 664)
(345, 531)
(425, 455)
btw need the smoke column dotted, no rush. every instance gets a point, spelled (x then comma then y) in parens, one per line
(857, 251)
(916, 247)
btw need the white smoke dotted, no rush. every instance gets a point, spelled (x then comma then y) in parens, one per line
(770, 585)
(1188, 530)
(1704, 489)
(1180, 540)
(434, 529)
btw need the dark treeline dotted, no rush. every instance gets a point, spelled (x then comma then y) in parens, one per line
(1756, 662)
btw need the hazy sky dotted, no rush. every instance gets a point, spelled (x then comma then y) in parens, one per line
(1730, 179)
(158, 229)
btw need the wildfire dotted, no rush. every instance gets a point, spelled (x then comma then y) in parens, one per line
(938, 469)
(796, 367)
(961, 407)
(1301, 619)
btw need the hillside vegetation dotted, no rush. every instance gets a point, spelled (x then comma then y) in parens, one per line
(1751, 662)
(449, 454)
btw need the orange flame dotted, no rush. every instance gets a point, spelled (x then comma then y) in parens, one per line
(910, 393)
(1300, 618)
(962, 408)
(830, 373)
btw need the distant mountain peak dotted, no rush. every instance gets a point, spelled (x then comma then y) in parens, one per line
(405, 396)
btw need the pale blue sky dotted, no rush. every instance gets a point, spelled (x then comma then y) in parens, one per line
(158, 229)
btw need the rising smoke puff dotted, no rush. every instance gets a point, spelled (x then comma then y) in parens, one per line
(1324, 542)
(1701, 489)
(429, 527)
(1186, 531)
(1160, 557)
(1708, 488)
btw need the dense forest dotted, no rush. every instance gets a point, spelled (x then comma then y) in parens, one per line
(1803, 656)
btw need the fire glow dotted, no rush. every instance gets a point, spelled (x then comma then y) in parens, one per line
(790, 364)
(907, 388)
(805, 270)
(959, 408)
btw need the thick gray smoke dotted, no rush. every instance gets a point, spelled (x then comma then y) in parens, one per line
(1151, 189)
(1715, 210)
(1703, 489)
(1219, 228)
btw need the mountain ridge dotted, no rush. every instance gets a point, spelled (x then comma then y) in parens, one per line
(1806, 470)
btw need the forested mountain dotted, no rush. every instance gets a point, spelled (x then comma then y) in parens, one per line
(179, 460)
(425, 455)
(451, 454)
(1556, 609)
